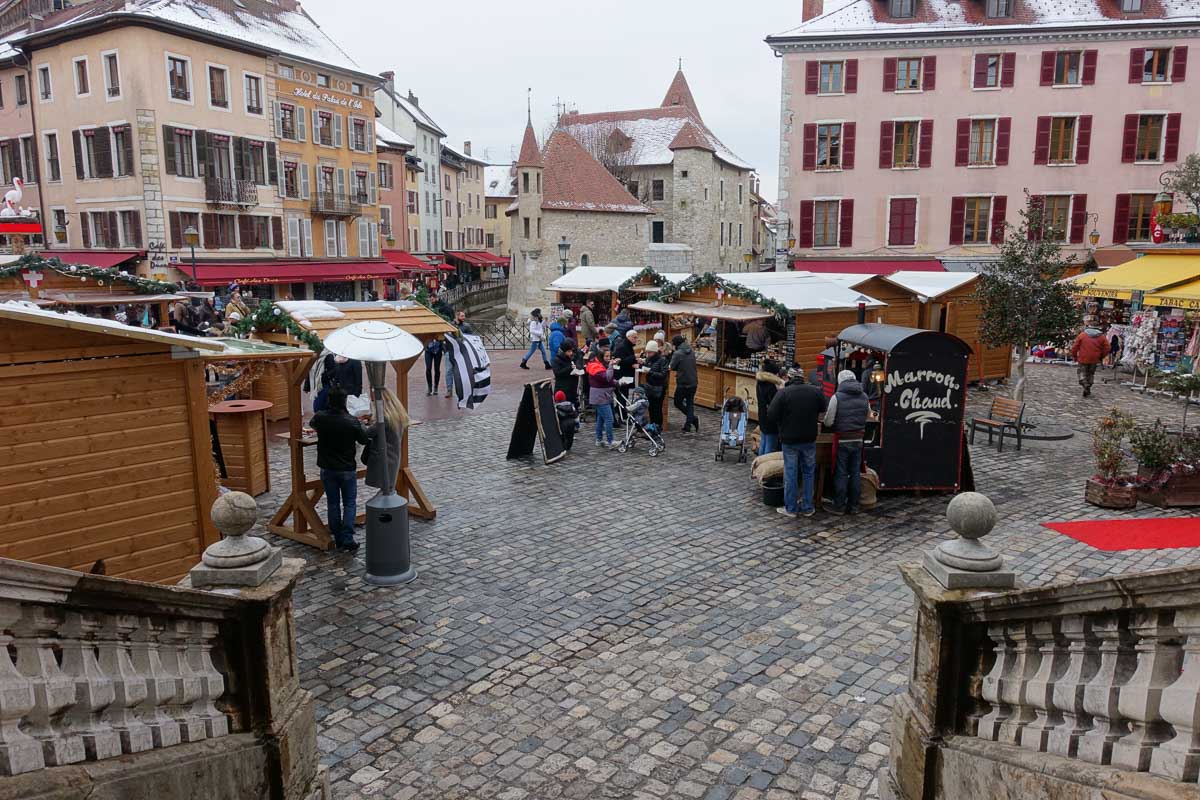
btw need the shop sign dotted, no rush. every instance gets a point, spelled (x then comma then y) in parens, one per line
(1189, 304)
(924, 396)
(325, 97)
(1112, 294)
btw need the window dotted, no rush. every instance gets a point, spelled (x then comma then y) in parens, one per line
(356, 89)
(1157, 66)
(254, 103)
(112, 75)
(908, 73)
(902, 221)
(976, 223)
(656, 190)
(1062, 140)
(983, 142)
(997, 9)
(53, 166)
(524, 183)
(1149, 137)
(88, 152)
(22, 91)
(28, 160)
(831, 77)
(358, 135)
(904, 145)
(412, 202)
(633, 188)
(491, 240)
(361, 187)
(286, 71)
(1131, 6)
(185, 157)
(122, 146)
(829, 146)
(902, 9)
(291, 179)
(658, 231)
(385, 220)
(287, 121)
(386, 175)
(1056, 216)
(45, 90)
(60, 219)
(103, 233)
(825, 223)
(82, 86)
(1141, 210)
(989, 76)
(131, 233)
(322, 81)
(225, 227)
(255, 167)
(323, 128)
(1066, 68)
(178, 78)
(449, 235)
(489, 212)
(526, 220)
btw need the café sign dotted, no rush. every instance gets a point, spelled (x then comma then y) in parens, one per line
(325, 97)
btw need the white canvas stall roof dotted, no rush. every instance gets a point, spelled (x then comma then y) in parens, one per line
(802, 291)
(706, 310)
(19, 312)
(601, 279)
(930, 284)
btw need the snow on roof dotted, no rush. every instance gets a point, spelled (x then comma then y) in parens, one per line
(848, 18)
(385, 135)
(498, 181)
(651, 131)
(930, 284)
(415, 111)
(575, 181)
(597, 278)
(801, 291)
(23, 311)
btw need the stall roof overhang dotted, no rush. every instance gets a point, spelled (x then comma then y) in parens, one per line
(930, 285)
(254, 350)
(885, 338)
(18, 312)
(594, 279)
(1146, 274)
(1185, 295)
(802, 292)
(106, 259)
(321, 317)
(100, 299)
(292, 272)
(731, 313)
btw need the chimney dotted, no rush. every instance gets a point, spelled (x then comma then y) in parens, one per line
(389, 80)
(412, 98)
(813, 8)
(467, 148)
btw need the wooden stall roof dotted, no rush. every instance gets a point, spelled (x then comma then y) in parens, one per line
(413, 317)
(931, 285)
(79, 322)
(730, 312)
(801, 291)
(101, 299)
(597, 279)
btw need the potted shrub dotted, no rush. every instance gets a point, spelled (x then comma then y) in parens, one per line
(1168, 467)
(1111, 486)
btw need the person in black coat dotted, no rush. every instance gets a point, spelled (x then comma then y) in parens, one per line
(338, 433)
(767, 383)
(563, 366)
(656, 380)
(796, 412)
(625, 360)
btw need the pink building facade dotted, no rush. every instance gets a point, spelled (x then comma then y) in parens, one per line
(913, 126)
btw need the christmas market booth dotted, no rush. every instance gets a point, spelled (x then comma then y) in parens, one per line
(736, 321)
(308, 322)
(917, 382)
(612, 288)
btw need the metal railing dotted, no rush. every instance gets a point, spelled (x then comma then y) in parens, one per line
(502, 334)
(463, 290)
(230, 192)
(335, 204)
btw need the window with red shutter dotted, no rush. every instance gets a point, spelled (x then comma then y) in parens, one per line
(811, 70)
(1121, 220)
(1047, 78)
(999, 209)
(1089, 67)
(1037, 207)
(889, 74)
(852, 75)
(1178, 64)
(1171, 147)
(1137, 60)
(1129, 140)
(962, 143)
(887, 130)
(1083, 145)
(1078, 217)
(979, 78)
(805, 239)
(958, 213)
(810, 146)
(929, 74)
(1003, 137)
(846, 224)
(1008, 70)
(925, 159)
(902, 221)
(848, 136)
(1041, 142)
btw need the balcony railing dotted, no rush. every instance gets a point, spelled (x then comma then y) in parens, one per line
(230, 192)
(336, 204)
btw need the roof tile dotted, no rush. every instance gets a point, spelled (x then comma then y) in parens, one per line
(574, 181)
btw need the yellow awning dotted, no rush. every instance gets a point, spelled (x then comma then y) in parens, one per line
(1151, 273)
(1185, 295)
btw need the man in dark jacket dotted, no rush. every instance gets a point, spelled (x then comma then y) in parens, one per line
(564, 367)
(683, 364)
(796, 412)
(337, 435)
(656, 380)
(625, 360)
(847, 417)
(767, 383)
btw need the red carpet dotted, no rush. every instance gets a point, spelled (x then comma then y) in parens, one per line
(1133, 534)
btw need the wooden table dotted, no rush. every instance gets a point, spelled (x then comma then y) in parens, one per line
(242, 434)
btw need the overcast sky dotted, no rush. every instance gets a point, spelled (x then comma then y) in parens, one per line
(470, 62)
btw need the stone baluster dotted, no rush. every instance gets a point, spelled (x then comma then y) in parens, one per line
(1158, 661)
(1039, 693)
(990, 687)
(129, 686)
(19, 752)
(1179, 758)
(160, 684)
(53, 692)
(980, 670)
(1100, 695)
(174, 643)
(1083, 661)
(1013, 690)
(93, 689)
(212, 683)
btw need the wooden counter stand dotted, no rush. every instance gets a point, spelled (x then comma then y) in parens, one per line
(242, 431)
(272, 386)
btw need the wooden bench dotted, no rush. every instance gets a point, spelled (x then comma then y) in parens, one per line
(1005, 415)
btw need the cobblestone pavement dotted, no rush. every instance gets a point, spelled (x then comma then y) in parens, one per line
(625, 627)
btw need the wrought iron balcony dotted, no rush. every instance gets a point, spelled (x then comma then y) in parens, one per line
(336, 204)
(230, 192)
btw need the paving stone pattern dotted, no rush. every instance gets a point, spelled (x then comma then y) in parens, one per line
(619, 626)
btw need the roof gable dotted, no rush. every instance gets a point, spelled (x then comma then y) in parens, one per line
(680, 94)
(574, 181)
(529, 157)
(690, 138)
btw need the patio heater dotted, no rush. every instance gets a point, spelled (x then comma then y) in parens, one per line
(377, 344)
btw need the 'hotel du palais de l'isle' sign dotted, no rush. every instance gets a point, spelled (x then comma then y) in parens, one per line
(325, 97)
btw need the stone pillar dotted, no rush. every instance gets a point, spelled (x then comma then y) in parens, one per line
(150, 165)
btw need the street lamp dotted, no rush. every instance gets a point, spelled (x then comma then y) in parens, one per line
(564, 250)
(1166, 198)
(191, 237)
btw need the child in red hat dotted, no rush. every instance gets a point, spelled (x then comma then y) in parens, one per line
(568, 418)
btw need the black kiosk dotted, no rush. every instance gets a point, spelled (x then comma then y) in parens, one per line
(917, 380)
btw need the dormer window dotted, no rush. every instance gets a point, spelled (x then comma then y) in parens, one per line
(1131, 6)
(902, 9)
(999, 9)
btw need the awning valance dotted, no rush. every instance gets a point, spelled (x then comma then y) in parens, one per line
(402, 259)
(1185, 295)
(292, 272)
(1152, 273)
(727, 312)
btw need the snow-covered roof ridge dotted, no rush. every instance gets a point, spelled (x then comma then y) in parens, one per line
(418, 114)
(651, 131)
(387, 136)
(498, 180)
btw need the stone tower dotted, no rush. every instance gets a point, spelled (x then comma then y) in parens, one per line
(528, 247)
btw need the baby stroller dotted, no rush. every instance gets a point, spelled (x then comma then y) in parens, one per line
(734, 413)
(635, 410)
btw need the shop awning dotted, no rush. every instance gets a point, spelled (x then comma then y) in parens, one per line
(292, 272)
(706, 310)
(402, 259)
(867, 266)
(1185, 295)
(1152, 273)
(94, 258)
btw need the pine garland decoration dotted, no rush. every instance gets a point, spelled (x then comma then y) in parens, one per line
(647, 273)
(270, 317)
(102, 275)
(708, 280)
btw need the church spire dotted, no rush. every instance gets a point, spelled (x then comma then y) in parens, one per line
(530, 154)
(680, 94)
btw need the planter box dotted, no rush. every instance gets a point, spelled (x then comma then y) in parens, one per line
(1181, 490)
(1105, 496)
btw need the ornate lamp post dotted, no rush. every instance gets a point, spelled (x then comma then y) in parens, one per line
(749, 257)
(564, 250)
(191, 237)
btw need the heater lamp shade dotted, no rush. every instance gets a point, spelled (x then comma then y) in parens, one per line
(373, 341)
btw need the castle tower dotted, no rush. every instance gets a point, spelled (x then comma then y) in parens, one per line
(524, 287)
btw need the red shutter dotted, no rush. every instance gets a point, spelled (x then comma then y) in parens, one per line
(805, 239)
(1008, 69)
(211, 231)
(1078, 217)
(889, 74)
(979, 79)
(1034, 232)
(1083, 145)
(999, 209)
(925, 146)
(958, 214)
(929, 73)
(1048, 67)
(1089, 67)
(848, 135)
(1041, 142)
(852, 75)
(1178, 64)
(1003, 137)
(887, 132)
(810, 146)
(846, 224)
(1171, 148)
(1137, 63)
(1121, 219)
(812, 74)
(895, 222)
(902, 221)
(84, 228)
(176, 230)
(1129, 140)
(962, 143)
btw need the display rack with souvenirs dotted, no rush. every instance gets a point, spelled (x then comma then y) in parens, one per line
(1103, 312)
(746, 345)
(1175, 329)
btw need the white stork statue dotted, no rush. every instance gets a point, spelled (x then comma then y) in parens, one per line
(11, 199)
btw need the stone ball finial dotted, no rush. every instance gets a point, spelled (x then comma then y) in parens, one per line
(234, 513)
(972, 515)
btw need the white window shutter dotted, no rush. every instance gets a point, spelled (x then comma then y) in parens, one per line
(316, 126)
(371, 188)
(308, 248)
(343, 240)
(301, 122)
(341, 183)
(374, 235)
(304, 181)
(330, 237)
(337, 130)
(293, 226)
(282, 176)
(277, 116)
(370, 127)
(364, 244)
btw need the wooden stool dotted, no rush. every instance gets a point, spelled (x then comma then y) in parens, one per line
(242, 433)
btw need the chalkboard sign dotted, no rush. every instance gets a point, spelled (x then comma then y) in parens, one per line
(536, 418)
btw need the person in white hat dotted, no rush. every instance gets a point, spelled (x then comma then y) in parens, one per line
(656, 380)
(847, 417)
(664, 346)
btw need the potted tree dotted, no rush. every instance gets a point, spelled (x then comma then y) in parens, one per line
(1168, 466)
(1111, 486)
